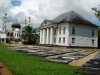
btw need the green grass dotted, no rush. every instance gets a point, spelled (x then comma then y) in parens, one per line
(22, 64)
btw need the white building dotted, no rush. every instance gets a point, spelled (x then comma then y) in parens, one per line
(70, 30)
(16, 30)
(3, 36)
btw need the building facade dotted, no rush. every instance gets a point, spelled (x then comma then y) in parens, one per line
(3, 36)
(16, 30)
(70, 30)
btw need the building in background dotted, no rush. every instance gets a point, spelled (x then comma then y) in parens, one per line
(14, 34)
(3, 29)
(70, 30)
(16, 31)
(3, 36)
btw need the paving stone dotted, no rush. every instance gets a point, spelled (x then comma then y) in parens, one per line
(92, 67)
(61, 60)
(54, 53)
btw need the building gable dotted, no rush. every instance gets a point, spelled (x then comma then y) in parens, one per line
(73, 17)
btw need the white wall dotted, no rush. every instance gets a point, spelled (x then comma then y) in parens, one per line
(62, 35)
(83, 36)
(16, 33)
(3, 37)
(83, 41)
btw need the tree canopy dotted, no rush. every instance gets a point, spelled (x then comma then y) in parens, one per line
(29, 35)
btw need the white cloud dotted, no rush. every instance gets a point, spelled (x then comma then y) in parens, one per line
(45, 9)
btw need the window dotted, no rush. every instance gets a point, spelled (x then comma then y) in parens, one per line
(64, 30)
(93, 33)
(8, 34)
(73, 40)
(64, 40)
(60, 30)
(92, 42)
(2, 40)
(73, 30)
(59, 40)
(11, 34)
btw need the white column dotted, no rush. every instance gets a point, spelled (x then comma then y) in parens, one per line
(47, 36)
(40, 36)
(51, 35)
(44, 35)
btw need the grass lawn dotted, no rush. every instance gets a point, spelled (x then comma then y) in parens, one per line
(22, 64)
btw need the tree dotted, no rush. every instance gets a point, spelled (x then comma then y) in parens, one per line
(36, 36)
(97, 12)
(29, 35)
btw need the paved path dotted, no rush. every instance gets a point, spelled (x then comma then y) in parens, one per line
(84, 60)
(92, 67)
(55, 54)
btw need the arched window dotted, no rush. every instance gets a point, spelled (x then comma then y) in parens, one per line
(73, 40)
(93, 42)
(60, 40)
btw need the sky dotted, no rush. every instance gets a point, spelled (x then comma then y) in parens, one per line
(40, 10)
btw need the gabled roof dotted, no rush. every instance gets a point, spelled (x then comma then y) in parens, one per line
(48, 22)
(70, 17)
(73, 17)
